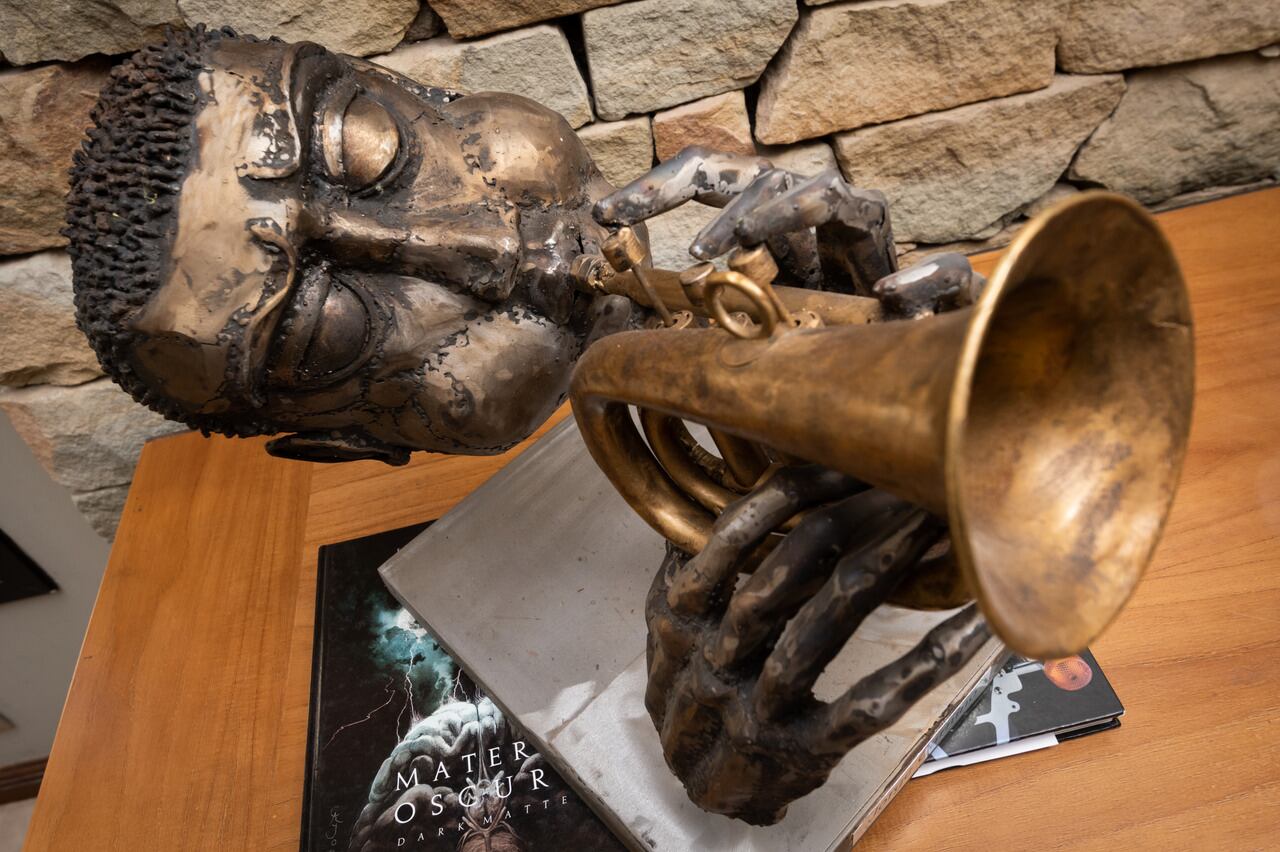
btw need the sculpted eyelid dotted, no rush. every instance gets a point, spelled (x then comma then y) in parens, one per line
(359, 139)
(313, 76)
(371, 142)
(329, 127)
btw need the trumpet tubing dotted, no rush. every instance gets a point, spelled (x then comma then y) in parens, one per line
(1047, 422)
(831, 308)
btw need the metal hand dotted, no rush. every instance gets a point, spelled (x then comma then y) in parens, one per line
(732, 181)
(731, 672)
(853, 238)
(824, 233)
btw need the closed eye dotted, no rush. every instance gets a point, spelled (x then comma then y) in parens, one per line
(359, 140)
(328, 332)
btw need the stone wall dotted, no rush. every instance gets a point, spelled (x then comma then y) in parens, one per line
(969, 114)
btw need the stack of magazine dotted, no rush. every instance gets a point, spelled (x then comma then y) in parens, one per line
(405, 752)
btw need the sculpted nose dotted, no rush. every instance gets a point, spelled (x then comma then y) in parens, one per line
(475, 250)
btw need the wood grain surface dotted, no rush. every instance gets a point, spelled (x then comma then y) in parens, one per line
(185, 726)
(1196, 762)
(170, 731)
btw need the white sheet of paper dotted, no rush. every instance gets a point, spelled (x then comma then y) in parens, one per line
(982, 755)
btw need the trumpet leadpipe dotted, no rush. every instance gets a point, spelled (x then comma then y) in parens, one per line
(831, 308)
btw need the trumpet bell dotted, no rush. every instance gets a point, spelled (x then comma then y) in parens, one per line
(1068, 422)
(1047, 422)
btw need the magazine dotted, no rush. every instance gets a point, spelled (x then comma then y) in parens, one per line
(405, 752)
(1028, 705)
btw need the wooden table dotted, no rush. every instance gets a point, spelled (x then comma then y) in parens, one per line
(186, 722)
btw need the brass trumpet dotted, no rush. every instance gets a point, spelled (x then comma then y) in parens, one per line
(1047, 422)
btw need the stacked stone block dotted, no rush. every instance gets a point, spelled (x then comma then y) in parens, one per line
(970, 114)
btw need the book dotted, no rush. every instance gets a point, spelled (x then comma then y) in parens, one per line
(1028, 705)
(536, 584)
(405, 752)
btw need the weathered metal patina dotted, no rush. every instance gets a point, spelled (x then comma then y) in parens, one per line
(270, 238)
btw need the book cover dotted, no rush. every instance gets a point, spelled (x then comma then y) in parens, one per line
(1027, 700)
(405, 752)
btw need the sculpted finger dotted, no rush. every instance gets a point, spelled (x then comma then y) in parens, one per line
(938, 283)
(797, 257)
(610, 313)
(794, 571)
(861, 582)
(817, 201)
(695, 173)
(671, 638)
(720, 234)
(694, 717)
(936, 583)
(702, 581)
(878, 700)
(854, 239)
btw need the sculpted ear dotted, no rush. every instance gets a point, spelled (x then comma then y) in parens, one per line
(330, 447)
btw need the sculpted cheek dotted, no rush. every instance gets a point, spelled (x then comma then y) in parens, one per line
(498, 383)
(459, 407)
(393, 392)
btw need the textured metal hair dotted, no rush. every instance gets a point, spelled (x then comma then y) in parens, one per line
(122, 205)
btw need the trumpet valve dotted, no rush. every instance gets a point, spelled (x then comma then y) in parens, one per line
(624, 250)
(756, 263)
(694, 283)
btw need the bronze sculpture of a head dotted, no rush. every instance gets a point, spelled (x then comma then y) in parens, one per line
(269, 238)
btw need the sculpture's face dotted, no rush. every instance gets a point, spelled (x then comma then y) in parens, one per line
(355, 255)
